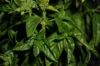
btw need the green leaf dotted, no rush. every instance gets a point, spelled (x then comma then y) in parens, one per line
(79, 21)
(43, 3)
(61, 14)
(48, 63)
(56, 48)
(96, 28)
(25, 6)
(5, 8)
(17, 2)
(70, 49)
(29, 62)
(21, 46)
(40, 35)
(83, 0)
(56, 36)
(31, 24)
(50, 7)
(87, 5)
(66, 15)
(52, 37)
(71, 43)
(81, 38)
(67, 3)
(37, 47)
(38, 42)
(11, 34)
(62, 28)
(71, 58)
(9, 59)
(47, 51)
(85, 58)
(77, 3)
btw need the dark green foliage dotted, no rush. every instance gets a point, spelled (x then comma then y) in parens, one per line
(48, 32)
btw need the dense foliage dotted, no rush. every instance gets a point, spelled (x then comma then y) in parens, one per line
(48, 32)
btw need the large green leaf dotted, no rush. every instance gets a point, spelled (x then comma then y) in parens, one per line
(96, 28)
(31, 24)
(81, 38)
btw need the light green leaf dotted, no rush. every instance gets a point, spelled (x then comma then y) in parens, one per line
(43, 3)
(77, 4)
(31, 24)
(50, 7)
(21, 46)
(61, 14)
(83, 0)
(9, 59)
(11, 34)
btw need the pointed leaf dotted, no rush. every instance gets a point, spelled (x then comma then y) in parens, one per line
(67, 3)
(47, 51)
(96, 28)
(61, 26)
(70, 50)
(37, 47)
(52, 8)
(79, 21)
(21, 46)
(40, 35)
(31, 24)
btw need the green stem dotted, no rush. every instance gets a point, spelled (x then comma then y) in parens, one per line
(44, 22)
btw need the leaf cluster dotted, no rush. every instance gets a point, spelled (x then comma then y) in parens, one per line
(48, 32)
